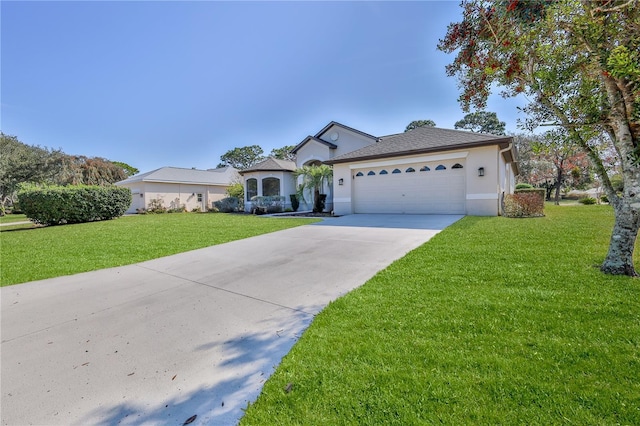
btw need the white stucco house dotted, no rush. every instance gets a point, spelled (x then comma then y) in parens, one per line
(176, 187)
(427, 170)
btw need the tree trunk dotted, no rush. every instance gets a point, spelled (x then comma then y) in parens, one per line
(619, 260)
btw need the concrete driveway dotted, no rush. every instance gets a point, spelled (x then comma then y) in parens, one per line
(197, 333)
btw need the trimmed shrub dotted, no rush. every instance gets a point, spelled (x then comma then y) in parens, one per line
(525, 203)
(226, 205)
(523, 186)
(57, 205)
(156, 206)
(587, 200)
(265, 204)
(295, 203)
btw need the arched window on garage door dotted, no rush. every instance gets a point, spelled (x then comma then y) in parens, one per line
(457, 166)
(270, 187)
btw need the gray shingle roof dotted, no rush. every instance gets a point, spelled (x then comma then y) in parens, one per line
(271, 165)
(335, 123)
(313, 138)
(421, 140)
(181, 175)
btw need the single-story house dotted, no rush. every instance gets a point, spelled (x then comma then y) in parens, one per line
(175, 187)
(427, 170)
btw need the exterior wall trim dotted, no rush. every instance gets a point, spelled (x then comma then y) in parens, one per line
(409, 160)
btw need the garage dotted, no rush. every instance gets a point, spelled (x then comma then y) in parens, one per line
(417, 188)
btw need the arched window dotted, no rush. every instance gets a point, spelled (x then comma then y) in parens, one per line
(425, 169)
(383, 172)
(457, 166)
(410, 170)
(359, 174)
(441, 167)
(371, 173)
(252, 188)
(270, 187)
(395, 171)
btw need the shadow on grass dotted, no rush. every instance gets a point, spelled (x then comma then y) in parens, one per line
(248, 361)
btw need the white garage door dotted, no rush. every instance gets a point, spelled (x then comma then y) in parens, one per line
(433, 188)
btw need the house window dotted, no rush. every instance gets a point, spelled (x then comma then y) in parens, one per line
(457, 166)
(410, 170)
(199, 198)
(270, 187)
(396, 171)
(359, 174)
(425, 169)
(252, 188)
(384, 172)
(441, 167)
(371, 173)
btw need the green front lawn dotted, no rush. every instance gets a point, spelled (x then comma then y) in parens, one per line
(493, 321)
(10, 218)
(34, 254)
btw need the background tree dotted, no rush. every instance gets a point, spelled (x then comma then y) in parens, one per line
(21, 163)
(81, 170)
(128, 169)
(283, 153)
(566, 159)
(420, 123)
(482, 122)
(578, 63)
(242, 158)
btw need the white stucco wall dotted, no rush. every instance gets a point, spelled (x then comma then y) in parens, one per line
(174, 195)
(482, 193)
(287, 186)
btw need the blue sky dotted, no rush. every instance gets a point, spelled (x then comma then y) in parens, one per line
(155, 83)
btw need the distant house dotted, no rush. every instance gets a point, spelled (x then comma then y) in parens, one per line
(427, 170)
(176, 187)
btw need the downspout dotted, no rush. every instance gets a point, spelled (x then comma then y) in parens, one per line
(501, 198)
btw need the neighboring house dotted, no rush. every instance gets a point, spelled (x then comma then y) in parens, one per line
(177, 187)
(424, 171)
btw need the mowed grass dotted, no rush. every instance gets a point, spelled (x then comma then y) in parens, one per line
(10, 218)
(493, 321)
(46, 252)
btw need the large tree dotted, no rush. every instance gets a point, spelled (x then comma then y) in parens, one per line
(22, 163)
(419, 123)
(242, 158)
(482, 122)
(283, 153)
(578, 63)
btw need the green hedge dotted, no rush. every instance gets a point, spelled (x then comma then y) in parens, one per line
(57, 205)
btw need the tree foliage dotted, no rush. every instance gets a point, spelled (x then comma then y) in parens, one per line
(128, 169)
(81, 170)
(482, 122)
(21, 163)
(242, 158)
(578, 63)
(420, 123)
(314, 179)
(283, 153)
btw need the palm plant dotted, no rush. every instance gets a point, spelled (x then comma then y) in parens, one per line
(313, 179)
